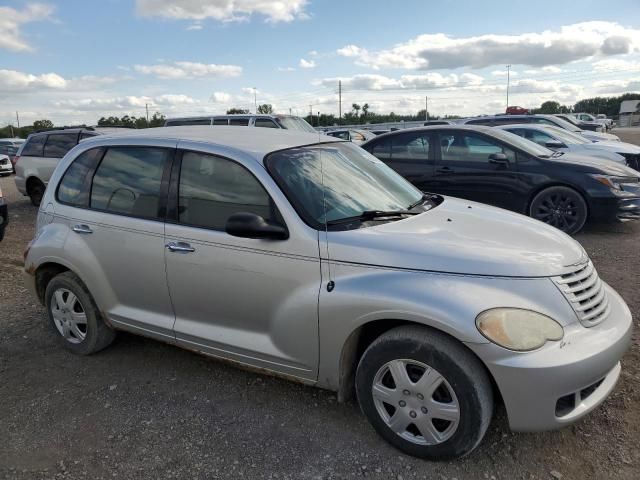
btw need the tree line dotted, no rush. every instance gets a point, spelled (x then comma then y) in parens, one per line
(358, 115)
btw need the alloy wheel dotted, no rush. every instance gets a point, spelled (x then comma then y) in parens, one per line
(558, 210)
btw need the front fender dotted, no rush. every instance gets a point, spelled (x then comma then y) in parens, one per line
(446, 302)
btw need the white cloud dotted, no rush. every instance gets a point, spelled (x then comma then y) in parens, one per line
(405, 82)
(195, 26)
(188, 70)
(307, 63)
(14, 81)
(503, 73)
(313, 53)
(125, 102)
(617, 86)
(220, 97)
(11, 20)
(286, 69)
(350, 51)
(223, 10)
(616, 65)
(548, 48)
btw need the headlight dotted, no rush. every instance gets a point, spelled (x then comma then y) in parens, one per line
(614, 182)
(517, 329)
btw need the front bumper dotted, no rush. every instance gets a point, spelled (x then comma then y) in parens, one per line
(563, 381)
(6, 167)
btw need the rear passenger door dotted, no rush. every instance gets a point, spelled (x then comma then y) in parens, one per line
(113, 201)
(249, 300)
(465, 168)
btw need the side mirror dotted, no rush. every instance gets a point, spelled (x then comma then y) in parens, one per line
(499, 159)
(554, 144)
(250, 225)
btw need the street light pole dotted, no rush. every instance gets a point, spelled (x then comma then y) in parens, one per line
(508, 81)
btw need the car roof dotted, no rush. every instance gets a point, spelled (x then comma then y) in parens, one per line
(258, 142)
(456, 127)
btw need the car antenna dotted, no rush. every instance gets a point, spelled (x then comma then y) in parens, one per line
(331, 284)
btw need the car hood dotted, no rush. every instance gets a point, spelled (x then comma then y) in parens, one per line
(606, 167)
(599, 136)
(461, 237)
(618, 147)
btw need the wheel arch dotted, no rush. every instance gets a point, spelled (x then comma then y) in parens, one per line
(31, 181)
(360, 339)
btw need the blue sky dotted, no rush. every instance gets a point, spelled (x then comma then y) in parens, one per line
(77, 60)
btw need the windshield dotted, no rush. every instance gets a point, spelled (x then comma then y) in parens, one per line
(342, 177)
(295, 123)
(522, 143)
(567, 137)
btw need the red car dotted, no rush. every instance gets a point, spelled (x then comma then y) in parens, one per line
(517, 111)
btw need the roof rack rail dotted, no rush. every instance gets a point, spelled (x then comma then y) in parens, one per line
(66, 127)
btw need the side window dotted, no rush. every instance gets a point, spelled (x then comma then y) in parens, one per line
(84, 135)
(74, 187)
(128, 181)
(342, 135)
(381, 149)
(34, 146)
(265, 122)
(543, 121)
(221, 121)
(58, 144)
(410, 147)
(521, 132)
(211, 189)
(482, 121)
(468, 147)
(242, 122)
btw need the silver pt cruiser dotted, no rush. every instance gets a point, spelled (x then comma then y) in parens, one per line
(309, 258)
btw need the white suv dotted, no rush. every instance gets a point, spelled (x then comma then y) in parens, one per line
(39, 155)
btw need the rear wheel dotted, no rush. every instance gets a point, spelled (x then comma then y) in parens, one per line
(36, 191)
(74, 316)
(560, 207)
(424, 393)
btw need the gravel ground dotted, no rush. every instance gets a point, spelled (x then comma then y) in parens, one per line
(143, 409)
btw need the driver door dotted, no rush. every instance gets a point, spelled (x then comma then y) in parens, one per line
(248, 300)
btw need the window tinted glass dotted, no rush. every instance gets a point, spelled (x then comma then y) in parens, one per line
(538, 137)
(382, 149)
(543, 121)
(265, 122)
(128, 181)
(410, 147)
(243, 122)
(73, 188)
(58, 144)
(34, 146)
(342, 135)
(84, 135)
(212, 189)
(221, 121)
(196, 121)
(468, 147)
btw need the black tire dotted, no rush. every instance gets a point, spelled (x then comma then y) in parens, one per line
(97, 334)
(560, 207)
(461, 371)
(36, 192)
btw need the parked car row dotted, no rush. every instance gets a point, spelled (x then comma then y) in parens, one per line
(287, 122)
(429, 307)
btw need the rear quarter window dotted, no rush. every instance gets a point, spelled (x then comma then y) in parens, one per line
(75, 186)
(34, 146)
(58, 144)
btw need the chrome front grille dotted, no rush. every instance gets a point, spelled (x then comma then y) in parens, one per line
(585, 291)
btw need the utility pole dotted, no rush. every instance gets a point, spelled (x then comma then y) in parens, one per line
(318, 119)
(508, 78)
(146, 106)
(311, 114)
(255, 99)
(426, 108)
(18, 119)
(339, 99)
(11, 127)
(289, 110)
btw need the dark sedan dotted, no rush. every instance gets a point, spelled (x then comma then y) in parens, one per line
(505, 170)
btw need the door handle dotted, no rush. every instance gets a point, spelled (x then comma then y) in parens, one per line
(85, 229)
(444, 170)
(180, 247)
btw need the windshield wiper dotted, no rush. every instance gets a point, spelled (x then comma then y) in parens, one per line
(423, 199)
(557, 154)
(371, 215)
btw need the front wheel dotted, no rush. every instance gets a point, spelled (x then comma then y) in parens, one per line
(560, 207)
(425, 393)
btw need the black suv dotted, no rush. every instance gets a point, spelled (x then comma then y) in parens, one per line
(502, 169)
